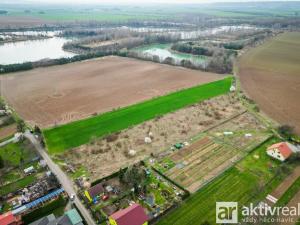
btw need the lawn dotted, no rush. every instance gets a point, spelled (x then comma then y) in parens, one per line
(17, 185)
(244, 183)
(74, 134)
(15, 153)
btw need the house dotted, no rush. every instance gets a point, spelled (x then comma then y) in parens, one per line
(71, 217)
(94, 192)
(281, 151)
(132, 215)
(9, 219)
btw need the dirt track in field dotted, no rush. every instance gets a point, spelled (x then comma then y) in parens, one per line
(61, 94)
(270, 75)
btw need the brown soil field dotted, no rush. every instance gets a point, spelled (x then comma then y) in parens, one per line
(111, 153)
(61, 94)
(270, 75)
(8, 131)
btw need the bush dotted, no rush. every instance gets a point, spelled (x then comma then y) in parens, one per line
(1, 162)
(286, 131)
(233, 46)
(15, 67)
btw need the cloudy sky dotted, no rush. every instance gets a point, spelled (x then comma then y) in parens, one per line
(126, 1)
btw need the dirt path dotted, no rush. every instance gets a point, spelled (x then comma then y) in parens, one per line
(282, 188)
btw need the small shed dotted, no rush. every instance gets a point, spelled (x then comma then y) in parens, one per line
(29, 170)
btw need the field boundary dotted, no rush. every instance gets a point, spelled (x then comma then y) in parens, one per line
(80, 132)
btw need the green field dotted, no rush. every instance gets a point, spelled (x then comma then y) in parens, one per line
(80, 132)
(242, 183)
(289, 194)
(116, 13)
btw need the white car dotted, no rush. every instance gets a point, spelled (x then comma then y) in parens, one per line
(72, 197)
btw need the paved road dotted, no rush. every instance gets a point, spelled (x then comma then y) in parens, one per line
(13, 139)
(62, 177)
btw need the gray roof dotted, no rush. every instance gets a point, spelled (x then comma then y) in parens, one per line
(45, 220)
(51, 220)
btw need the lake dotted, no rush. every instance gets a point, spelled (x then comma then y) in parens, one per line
(33, 50)
(164, 50)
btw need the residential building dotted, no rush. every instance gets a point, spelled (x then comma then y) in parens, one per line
(281, 151)
(10, 219)
(94, 192)
(132, 215)
(71, 217)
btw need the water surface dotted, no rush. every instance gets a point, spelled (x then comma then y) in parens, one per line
(33, 50)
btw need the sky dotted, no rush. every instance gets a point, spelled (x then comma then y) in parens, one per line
(129, 1)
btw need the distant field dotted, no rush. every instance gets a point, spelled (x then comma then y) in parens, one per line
(270, 74)
(80, 132)
(241, 183)
(115, 14)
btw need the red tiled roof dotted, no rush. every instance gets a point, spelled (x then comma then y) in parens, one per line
(7, 218)
(283, 148)
(132, 215)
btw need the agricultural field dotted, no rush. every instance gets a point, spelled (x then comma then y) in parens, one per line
(247, 182)
(74, 134)
(179, 126)
(270, 76)
(208, 156)
(61, 94)
(198, 163)
(115, 14)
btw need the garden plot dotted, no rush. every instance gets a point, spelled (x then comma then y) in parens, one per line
(193, 166)
(244, 132)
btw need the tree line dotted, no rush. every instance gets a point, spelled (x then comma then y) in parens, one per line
(51, 62)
